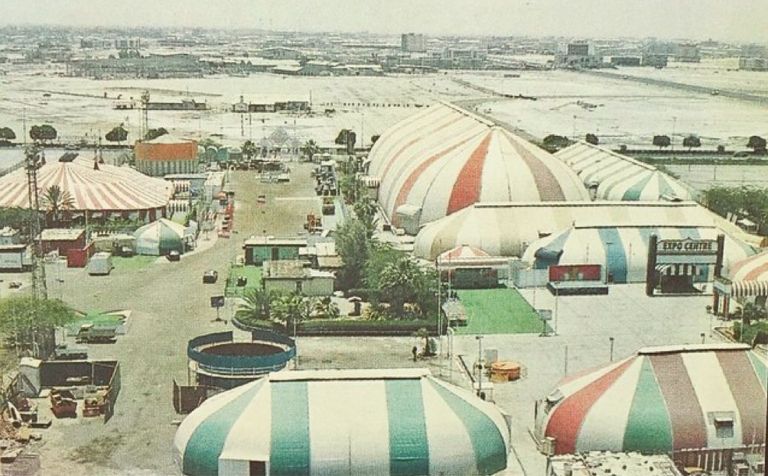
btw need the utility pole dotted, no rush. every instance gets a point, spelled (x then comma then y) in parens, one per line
(33, 161)
(479, 366)
(143, 109)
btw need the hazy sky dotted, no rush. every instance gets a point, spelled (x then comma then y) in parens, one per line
(740, 20)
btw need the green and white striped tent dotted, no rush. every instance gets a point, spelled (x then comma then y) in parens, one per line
(402, 422)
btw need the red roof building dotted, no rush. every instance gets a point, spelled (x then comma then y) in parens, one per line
(166, 155)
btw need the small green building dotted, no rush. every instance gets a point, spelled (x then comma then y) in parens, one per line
(267, 248)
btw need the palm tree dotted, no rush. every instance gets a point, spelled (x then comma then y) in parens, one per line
(310, 148)
(289, 310)
(325, 308)
(56, 200)
(256, 306)
(398, 282)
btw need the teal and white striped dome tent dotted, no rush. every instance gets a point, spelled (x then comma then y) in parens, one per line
(160, 237)
(402, 421)
(618, 177)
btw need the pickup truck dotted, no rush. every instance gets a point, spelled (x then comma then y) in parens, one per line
(91, 333)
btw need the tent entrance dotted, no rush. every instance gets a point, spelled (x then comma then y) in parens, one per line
(257, 468)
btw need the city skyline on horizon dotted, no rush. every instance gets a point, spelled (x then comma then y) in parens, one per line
(739, 21)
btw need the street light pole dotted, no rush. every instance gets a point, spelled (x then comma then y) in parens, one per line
(611, 340)
(479, 366)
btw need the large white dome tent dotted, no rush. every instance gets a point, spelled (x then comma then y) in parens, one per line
(446, 159)
(401, 421)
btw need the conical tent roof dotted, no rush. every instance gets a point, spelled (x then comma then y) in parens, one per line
(159, 238)
(107, 188)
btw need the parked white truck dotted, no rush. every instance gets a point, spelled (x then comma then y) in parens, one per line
(100, 264)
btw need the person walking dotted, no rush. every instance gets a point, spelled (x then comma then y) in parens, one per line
(415, 352)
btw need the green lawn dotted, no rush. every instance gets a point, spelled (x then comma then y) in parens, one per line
(95, 318)
(253, 273)
(133, 263)
(498, 311)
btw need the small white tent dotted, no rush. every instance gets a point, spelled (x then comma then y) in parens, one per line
(160, 237)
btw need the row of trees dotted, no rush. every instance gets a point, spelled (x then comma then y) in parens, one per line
(48, 133)
(555, 142)
(746, 200)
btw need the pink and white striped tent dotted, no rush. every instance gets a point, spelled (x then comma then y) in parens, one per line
(102, 188)
(749, 277)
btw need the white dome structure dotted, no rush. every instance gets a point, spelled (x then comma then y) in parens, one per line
(400, 421)
(623, 251)
(618, 177)
(445, 159)
(507, 229)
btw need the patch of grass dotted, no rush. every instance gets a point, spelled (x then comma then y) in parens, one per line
(252, 273)
(98, 451)
(95, 318)
(498, 311)
(133, 263)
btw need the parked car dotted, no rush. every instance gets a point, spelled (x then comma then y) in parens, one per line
(173, 255)
(96, 333)
(210, 276)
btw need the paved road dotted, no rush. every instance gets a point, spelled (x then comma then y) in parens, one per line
(681, 86)
(170, 306)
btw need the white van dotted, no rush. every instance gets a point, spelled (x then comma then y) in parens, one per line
(100, 264)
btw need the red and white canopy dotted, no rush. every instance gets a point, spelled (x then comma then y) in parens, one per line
(445, 159)
(107, 187)
(749, 277)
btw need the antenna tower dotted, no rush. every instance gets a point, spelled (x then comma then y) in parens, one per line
(144, 122)
(33, 161)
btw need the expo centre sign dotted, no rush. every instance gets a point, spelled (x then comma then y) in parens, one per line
(687, 247)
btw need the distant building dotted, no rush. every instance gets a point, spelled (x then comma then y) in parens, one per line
(166, 155)
(413, 43)
(754, 51)
(183, 105)
(655, 60)
(753, 64)
(616, 464)
(578, 55)
(127, 44)
(281, 53)
(318, 68)
(688, 53)
(626, 60)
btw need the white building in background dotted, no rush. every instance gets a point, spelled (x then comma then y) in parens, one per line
(579, 54)
(413, 43)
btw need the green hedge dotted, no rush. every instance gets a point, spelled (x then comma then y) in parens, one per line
(750, 332)
(343, 327)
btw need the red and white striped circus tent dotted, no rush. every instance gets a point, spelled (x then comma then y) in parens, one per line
(663, 399)
(746, 280)
(98, 190)
(444, 159)
(749, 277)
(462, 252)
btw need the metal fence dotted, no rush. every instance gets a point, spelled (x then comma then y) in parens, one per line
(241, 364)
